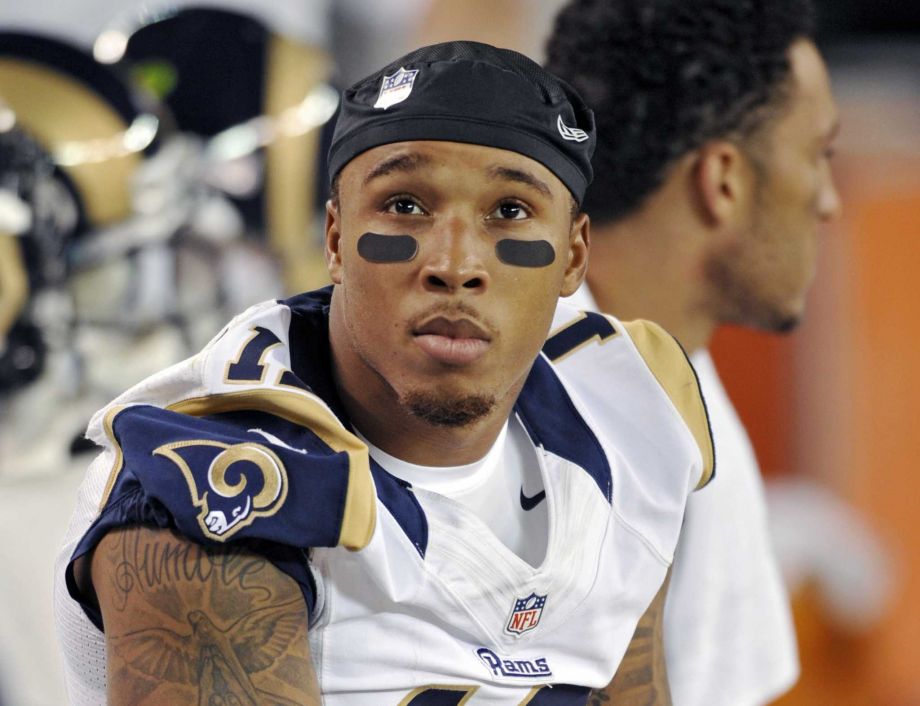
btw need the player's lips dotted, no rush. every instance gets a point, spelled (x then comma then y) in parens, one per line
(452, 342)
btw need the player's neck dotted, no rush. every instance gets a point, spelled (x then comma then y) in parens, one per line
(644, 267)
(387, 424)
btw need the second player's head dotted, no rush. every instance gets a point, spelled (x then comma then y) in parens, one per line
(735, 91)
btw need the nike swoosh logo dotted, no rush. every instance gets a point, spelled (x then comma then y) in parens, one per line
(530, 503)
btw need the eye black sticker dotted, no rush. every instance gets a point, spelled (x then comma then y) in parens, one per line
(374, 247)
(525, 253)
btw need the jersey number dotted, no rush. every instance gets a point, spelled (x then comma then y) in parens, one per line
(589, 328)
(558, 695)
(249, 366)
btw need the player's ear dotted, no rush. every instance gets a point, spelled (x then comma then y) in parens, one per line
(722, 178)
(577, 264)
(333, 245)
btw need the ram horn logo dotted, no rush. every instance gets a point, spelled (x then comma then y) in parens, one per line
(573, 134)
(233, 485)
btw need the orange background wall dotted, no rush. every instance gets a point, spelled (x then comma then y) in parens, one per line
(839, 400)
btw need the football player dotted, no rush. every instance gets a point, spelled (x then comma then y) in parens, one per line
(716, 124)
(425, 484)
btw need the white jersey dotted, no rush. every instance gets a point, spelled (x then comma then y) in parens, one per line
(726, 597)
(412, 598)
(729, 637)
(504, 489)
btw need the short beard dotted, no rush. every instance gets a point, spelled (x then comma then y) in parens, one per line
(442, 411)
(739, 302)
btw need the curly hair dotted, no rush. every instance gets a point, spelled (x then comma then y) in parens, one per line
(665, 76)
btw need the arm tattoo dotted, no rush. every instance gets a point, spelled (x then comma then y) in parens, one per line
(151, 567)
(641, 678)
(187, 624)
(599, 698)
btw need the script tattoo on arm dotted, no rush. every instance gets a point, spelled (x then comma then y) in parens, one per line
(641, 678)
(187, 624)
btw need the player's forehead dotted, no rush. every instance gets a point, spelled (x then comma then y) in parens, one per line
(471, 93)
(423, 160)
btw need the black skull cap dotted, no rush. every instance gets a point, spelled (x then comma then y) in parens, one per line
(474, 93)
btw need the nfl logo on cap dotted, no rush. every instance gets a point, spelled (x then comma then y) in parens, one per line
(526, 614)
(396, 88)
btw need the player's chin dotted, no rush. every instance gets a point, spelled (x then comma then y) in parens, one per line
(787, 324)
(443, 409)
(765, 314)
(782, 319)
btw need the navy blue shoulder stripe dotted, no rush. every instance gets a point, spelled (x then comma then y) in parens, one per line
(399, 500)
(551, 419)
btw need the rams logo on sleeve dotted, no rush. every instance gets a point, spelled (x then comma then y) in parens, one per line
(232, 484)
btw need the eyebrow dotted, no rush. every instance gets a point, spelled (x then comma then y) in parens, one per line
(521, 177)
(405, 163)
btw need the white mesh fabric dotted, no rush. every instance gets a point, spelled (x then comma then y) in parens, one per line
(82, 644)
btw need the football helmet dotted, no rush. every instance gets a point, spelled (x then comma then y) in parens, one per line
(78, 255)
(96, 138)
(257, 100)
(37, 219)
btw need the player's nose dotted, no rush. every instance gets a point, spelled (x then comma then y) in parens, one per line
(455, 259)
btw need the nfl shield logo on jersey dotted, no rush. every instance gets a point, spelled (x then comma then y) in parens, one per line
(396, 88)
(526, 614)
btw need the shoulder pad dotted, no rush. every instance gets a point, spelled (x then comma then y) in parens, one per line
(247, 466)
(672, 368)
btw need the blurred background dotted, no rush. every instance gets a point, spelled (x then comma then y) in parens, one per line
(162, 168)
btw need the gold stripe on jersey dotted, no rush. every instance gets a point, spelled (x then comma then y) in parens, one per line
(670, 366)
(531, 694)
(467, 692)
(360, 514)
(107, 425)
